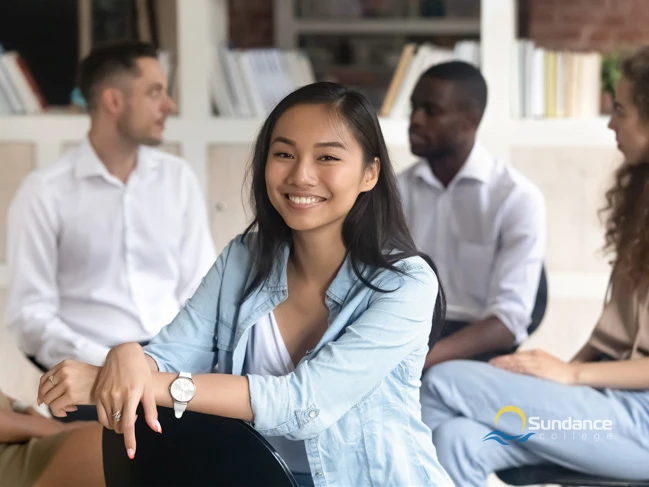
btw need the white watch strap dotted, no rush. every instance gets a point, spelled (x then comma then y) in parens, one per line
(179, 408)
(185, 374)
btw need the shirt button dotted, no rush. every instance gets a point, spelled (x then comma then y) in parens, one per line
(308, 352)
(318, 474)
(313, 414)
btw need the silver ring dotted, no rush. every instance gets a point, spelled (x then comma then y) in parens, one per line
(117, 416)
(51, 379)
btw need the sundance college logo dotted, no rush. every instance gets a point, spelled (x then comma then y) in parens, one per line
(551, 429)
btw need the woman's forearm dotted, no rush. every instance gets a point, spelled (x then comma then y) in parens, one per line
(219, 394)
(620, 374)
(18, 428)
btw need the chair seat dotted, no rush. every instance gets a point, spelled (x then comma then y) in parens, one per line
(553, 474)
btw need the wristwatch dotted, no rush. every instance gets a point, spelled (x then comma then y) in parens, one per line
(182, 390)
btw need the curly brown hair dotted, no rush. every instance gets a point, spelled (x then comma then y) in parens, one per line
(627, 202)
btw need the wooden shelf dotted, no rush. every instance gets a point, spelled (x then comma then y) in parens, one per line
(403, 26)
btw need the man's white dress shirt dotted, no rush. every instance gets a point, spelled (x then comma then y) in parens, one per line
(486, 232)
(94, 262)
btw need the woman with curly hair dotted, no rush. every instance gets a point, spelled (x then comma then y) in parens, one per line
(590, 414)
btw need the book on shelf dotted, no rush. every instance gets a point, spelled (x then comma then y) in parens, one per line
(414, 61)
(555, 84)
(19, 92)
(250, 82)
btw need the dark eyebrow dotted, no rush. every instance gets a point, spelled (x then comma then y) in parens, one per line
(290, 142)
(282, 139)
(331, 144)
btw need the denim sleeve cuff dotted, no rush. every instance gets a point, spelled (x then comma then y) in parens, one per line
(273, 413)
(163, 366)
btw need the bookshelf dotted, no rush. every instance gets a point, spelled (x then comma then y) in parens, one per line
(289, 26)
(569, 160)
(359, 43)
(217, 147)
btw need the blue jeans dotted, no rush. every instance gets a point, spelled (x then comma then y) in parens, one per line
(460, 400)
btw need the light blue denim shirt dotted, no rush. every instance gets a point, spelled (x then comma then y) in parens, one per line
(354, 399)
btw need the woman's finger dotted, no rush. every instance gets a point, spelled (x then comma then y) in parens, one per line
(55, 393)
(150, 409)
(116, 411)
(47, 383)
(102, 416)
(128, 423)
(61, 406)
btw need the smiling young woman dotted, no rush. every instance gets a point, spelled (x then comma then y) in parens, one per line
(318, 316)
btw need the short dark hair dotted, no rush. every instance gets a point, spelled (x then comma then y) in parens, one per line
(375, 232)
(467, 79)
(108, 60)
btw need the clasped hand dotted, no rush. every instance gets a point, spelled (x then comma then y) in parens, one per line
(116, 389)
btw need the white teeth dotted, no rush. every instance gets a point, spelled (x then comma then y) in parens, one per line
(303, 200)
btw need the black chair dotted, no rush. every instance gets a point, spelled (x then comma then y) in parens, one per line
(554, 474)
(198, 449)
(538, 312)
(540, 304)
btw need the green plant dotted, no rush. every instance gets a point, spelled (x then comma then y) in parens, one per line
(611, 70)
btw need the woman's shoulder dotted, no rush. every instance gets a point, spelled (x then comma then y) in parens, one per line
(238, 254)
(412, 271)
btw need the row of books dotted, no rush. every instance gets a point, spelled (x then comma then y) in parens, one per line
(415, 59)
(552, 84)
(250, 82)
(19, 92)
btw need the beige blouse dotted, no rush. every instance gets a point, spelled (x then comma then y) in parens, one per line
(622, 331)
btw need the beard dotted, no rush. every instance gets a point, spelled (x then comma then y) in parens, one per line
(436, 152)
(128, 132)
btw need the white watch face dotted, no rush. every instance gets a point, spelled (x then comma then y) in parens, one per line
(182, 389)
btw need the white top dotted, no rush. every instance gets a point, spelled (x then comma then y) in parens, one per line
(267, 355)
(94, 262)
(486, 232)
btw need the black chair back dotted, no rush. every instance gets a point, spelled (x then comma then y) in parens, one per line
(556, 475)
(198, 449)
(540, 304)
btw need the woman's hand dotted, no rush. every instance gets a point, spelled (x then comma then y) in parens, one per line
(539, 364)
(124, 382)
(66, 385)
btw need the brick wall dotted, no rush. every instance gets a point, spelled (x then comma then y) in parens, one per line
(602, 25)
(251, 23)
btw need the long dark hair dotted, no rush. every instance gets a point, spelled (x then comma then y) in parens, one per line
(627, 201)
(374, 231)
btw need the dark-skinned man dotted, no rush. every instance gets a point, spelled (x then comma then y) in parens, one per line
(481, 221)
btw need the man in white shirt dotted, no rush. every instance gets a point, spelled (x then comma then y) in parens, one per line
(106, 244)
(482, 222)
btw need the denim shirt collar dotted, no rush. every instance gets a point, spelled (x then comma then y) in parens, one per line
(343, 281)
